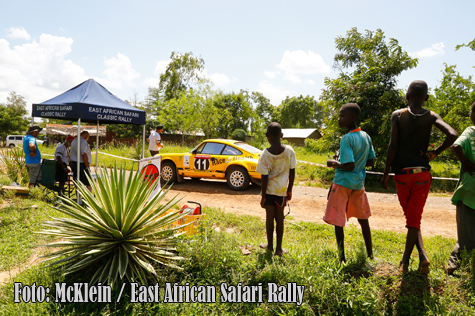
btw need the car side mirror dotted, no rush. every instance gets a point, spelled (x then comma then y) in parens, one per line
(194, 151)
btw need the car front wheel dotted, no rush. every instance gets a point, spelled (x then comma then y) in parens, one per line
(238, 178)
(11, 145)
(168, 173)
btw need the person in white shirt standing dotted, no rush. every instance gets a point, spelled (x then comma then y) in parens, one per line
(155, 141)
(85, 159)
(61, 155)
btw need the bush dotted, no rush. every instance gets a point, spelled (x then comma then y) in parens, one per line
(311, 145)
(239, 134)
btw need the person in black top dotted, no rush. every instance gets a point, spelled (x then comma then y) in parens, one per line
(409, 159)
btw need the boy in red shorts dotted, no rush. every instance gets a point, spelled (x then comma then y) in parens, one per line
(409, 160)
(347, 197)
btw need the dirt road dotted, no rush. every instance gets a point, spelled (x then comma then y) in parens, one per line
(308, 204)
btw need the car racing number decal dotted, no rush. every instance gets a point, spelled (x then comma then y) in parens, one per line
(202, 162)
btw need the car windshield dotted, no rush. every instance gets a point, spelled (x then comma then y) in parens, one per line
(247, 147)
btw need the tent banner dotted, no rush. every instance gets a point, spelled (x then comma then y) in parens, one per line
(89, 113)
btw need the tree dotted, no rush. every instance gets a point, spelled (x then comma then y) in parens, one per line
(235, 112)
(470, 45)
(369, 66)
(453, 99)
(180, 115)
(263, 108)
(299, 112)
(209, 116)
(13, 115)
(181, 73)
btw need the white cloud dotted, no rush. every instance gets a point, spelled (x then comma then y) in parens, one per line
(220, 80)
(271, 74)
(274, 93)
(310, 82)
(292, 77)
(119, 71)
(299, 62)
(436, 49)
(18, 33)
(38, 70)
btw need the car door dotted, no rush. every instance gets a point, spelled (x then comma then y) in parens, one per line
(200, 163)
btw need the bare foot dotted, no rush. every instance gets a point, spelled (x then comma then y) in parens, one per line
(450, 270)
(404, 268)
(268, 249)
(280, 252)
(424, 266)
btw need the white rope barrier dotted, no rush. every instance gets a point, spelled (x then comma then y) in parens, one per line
(300, 161)
(370, 172)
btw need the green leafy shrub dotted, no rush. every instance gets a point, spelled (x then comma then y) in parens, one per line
(117, 233)
(14, 161)
(239, 134)
(311, 145)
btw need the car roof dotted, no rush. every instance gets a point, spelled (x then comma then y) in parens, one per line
(224, 141)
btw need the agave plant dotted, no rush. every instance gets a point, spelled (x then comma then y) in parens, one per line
(117, 232)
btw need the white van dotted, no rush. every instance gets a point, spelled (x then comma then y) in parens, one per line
(14, 140)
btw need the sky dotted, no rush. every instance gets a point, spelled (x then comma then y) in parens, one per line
(279, 48)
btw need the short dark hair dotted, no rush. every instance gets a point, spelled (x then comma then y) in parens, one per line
(274, 129)
(472, 108)
(353, 108)
(417, 89)
(159, 127)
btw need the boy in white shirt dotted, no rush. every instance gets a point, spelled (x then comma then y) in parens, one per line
(277, 166)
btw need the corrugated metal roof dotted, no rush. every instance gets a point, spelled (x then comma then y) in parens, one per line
(297, 132)
(58, 129)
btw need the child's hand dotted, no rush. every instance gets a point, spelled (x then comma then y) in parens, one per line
(469, 167)
(430, 155)
(385, 180)
(289, 195)
(332, 163)
(263, 201)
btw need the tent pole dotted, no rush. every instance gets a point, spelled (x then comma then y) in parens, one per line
(97, 146)
(78, 158)
(143, 143)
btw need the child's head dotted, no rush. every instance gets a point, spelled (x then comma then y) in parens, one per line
(417, 92)
(472, 113)
(274, 132)
(349, 115)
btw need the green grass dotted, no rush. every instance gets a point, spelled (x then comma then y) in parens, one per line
(360, 287)
(18, 220)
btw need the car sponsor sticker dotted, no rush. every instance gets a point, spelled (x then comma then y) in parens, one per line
(186, 161)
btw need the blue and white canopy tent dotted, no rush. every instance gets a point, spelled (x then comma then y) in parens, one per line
(91, 102)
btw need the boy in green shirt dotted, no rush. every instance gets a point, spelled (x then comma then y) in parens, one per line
(464, 195)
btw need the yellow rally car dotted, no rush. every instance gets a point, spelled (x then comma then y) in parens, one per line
(232, 160)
